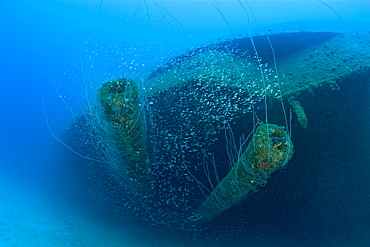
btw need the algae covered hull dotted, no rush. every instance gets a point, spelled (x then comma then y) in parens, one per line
(201, 132)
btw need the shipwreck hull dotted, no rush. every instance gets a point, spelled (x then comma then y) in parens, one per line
(198, 110)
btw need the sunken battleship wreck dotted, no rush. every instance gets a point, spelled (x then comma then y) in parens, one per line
(195, 139)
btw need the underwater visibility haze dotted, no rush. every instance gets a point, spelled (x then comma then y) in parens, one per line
(185, 123)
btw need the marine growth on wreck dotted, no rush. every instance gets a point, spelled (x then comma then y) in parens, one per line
(201, 132)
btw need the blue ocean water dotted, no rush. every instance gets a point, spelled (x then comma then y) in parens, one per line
(56, 54)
